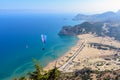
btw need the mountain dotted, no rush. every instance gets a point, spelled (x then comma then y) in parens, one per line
(103, 17)
(118, 12)
(98, 28)
(83, 28)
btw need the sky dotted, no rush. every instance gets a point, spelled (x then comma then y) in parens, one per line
(60, 6)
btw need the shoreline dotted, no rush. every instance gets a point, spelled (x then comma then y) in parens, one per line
(89, 55)
(51, 64)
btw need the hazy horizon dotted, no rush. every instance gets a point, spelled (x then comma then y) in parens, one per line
(53, 6)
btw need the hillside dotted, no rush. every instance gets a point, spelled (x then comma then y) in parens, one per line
(103, 17)
(83, 74)
(98, 28)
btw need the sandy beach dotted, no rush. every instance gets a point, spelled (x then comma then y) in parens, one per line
(97, 53)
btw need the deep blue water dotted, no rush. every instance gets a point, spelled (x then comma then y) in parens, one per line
(20, 41)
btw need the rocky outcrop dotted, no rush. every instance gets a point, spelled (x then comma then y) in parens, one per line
(98, 28)
(83, 28)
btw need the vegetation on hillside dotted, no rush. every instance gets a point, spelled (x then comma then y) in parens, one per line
(83, 28)
(83, 74)
(98, 28)
(40, 74)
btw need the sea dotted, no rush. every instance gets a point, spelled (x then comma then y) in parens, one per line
(20, 41)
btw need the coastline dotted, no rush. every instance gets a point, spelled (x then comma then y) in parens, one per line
(56, 62)
(88, 56)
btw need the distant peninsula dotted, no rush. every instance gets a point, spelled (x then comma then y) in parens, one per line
(98, 28)
(108, 16)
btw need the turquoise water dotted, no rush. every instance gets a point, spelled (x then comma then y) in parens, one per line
(20, 41)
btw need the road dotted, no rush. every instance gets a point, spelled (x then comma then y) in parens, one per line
(65, 66)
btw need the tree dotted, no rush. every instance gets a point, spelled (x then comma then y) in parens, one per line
(39, 73)
(54, 74)
(22, 78)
